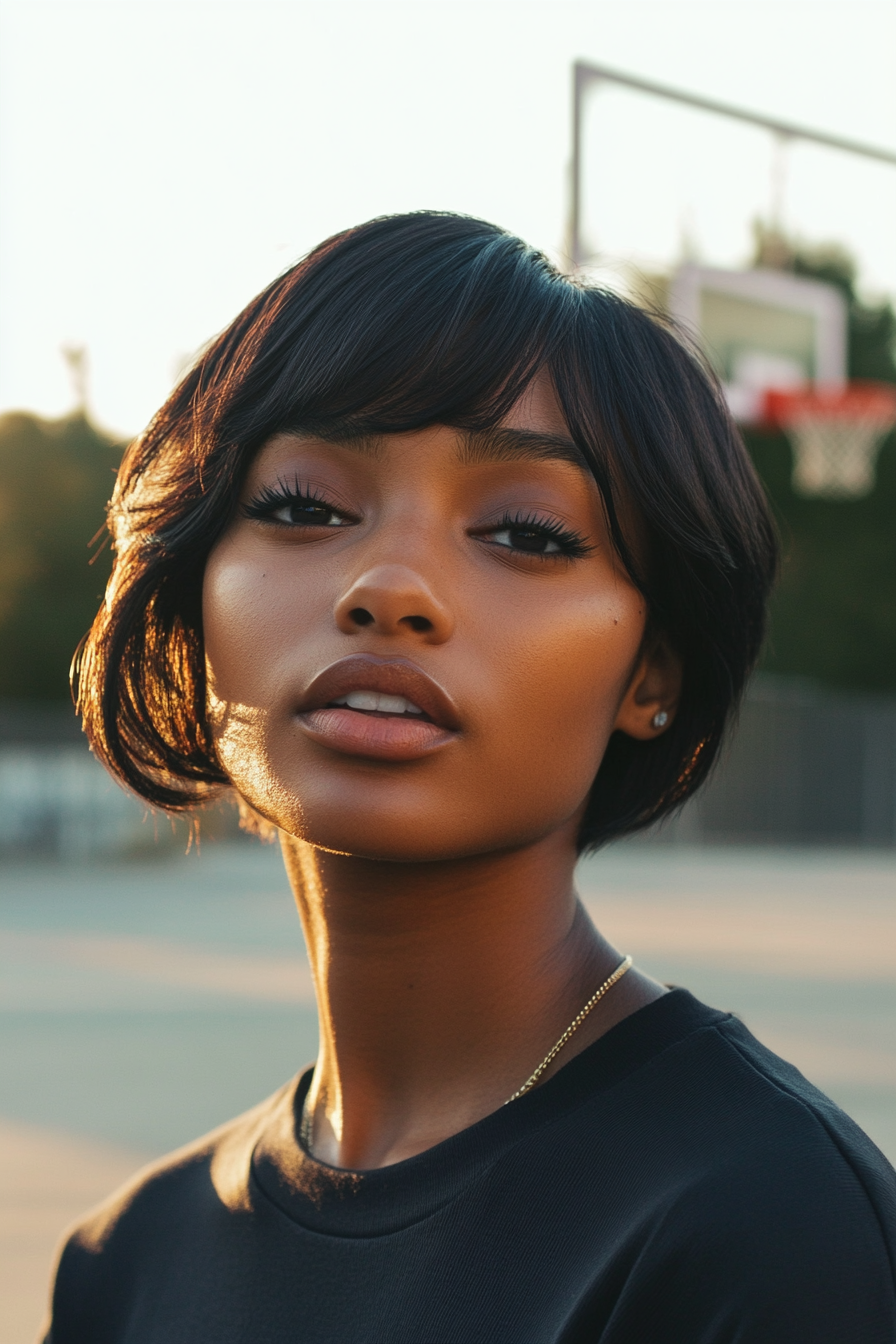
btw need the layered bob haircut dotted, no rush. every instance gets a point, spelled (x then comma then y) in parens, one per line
(408, 321)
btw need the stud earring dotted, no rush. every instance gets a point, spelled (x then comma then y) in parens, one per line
(660, 719)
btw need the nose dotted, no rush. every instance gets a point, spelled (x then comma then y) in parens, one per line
(393, 600)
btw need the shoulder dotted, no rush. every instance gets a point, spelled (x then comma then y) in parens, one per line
(183, 1194)
(754, 1208)
(703, 1103)
(798, 1129)
(785, 1220)
(751, 1125)
(219, 1162)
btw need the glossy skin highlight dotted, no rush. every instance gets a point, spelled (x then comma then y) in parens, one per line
(432, 852)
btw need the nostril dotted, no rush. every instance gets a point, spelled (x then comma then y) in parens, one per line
(419, 623)
(361, 616)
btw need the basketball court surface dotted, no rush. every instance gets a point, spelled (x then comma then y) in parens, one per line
(143, 1004)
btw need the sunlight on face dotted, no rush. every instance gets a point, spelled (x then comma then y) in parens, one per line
(418, 647)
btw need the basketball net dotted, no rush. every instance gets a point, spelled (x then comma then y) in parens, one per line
(836, 436)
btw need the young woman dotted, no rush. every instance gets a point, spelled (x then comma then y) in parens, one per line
(451, 568)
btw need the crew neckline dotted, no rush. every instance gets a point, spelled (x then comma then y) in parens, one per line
(375, 1202)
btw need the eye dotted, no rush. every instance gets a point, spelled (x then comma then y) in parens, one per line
(529, 539)
(309, 512)
(295, 506)
(527, 535)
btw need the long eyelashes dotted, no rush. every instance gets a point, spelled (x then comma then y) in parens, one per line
(272, 498)
(527, 533)
(534, 534)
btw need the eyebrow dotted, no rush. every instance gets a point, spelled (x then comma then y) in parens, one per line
(500, 444)
(510, 445)
(368, 445)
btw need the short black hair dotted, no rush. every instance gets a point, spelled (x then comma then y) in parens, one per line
(407, 321)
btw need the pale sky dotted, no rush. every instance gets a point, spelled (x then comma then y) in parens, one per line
(161, 162)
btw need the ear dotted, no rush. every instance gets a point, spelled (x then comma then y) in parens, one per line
(654, 691)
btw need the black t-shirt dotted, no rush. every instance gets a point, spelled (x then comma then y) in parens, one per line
(675, 1183)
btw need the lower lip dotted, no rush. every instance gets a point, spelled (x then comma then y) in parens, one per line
(391, 738)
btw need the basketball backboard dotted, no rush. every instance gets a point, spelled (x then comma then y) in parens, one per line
(762, 331)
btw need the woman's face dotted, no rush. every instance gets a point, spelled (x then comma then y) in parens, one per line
(419, 646)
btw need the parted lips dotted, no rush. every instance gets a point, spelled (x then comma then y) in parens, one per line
(381, 685)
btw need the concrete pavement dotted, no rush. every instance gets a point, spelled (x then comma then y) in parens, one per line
(141, 1004)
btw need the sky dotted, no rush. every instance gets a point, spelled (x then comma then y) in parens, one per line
(161, 162)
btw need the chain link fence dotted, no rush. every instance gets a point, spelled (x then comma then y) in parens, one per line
(805, 766)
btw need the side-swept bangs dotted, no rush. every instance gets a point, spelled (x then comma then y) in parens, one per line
(404, 322)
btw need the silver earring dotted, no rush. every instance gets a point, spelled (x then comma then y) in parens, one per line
(660, 719)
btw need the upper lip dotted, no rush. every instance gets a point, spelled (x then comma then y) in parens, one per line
(389, 676)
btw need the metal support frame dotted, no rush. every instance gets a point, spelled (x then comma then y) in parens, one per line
(584, 75)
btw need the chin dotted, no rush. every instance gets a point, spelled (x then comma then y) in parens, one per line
(405, 817)
(434, 835)
(395, 842)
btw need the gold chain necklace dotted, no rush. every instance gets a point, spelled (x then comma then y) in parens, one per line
(571, 1029)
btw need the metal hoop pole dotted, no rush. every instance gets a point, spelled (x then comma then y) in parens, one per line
(574, 223)
(584, 74)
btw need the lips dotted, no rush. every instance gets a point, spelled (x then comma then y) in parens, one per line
(388, 709)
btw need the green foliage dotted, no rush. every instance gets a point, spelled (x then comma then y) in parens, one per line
(834, 615)
(55, 479)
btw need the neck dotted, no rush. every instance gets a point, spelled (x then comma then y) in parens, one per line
(440, 987)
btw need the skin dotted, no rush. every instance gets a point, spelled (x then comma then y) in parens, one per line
(436, 890)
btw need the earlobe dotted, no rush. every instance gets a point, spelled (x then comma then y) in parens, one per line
(651, 699)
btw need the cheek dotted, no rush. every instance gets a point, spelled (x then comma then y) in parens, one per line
(568, 675)
(247, 632)
(233, 642)
(251, 620)
(232, 630)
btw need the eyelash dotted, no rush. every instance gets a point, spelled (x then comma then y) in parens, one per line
(571, 544)
(271, 498)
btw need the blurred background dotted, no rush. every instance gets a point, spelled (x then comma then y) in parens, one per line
(159, 164)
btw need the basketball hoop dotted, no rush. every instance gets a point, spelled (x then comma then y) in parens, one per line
(836, 435)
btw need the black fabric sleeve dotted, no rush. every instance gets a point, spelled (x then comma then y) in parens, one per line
(769, 1255)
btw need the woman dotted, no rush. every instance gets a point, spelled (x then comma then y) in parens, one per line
(451, 569)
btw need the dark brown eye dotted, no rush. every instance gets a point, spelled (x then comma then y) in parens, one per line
(531, 540)
(294, 505)
(309, 513)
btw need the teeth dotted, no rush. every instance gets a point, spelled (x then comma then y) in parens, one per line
(382, 704)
